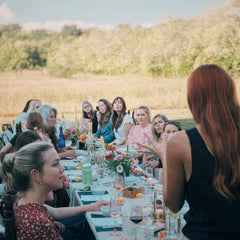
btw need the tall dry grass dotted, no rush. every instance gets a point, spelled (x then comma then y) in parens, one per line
(161, 95)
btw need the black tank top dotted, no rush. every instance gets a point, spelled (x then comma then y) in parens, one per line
(210, 216)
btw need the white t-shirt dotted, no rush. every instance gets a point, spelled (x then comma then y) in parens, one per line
(120, 134)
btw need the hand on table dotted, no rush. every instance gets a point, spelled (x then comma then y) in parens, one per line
(71, 153)
(65, 149)
(97, 205)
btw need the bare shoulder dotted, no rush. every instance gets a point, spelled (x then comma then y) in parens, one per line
(178, 146)
(179, 138)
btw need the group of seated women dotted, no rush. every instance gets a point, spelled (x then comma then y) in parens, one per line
(116, 126)
(111, 121)
(201, 165)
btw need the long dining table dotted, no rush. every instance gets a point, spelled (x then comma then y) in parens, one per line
(100, 222)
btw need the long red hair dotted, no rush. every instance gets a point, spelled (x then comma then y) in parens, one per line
(213, 102)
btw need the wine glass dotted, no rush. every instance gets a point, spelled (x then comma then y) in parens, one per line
(136, 216)
(115, 212)
(91, 151)
(118, 184)
(149, 174)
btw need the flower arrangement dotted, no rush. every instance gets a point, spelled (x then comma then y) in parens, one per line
(73, 134)
(121, 163)
(82, 142)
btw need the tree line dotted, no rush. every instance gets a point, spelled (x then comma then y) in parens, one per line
(174, 47)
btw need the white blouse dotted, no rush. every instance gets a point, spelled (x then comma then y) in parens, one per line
(120, 134)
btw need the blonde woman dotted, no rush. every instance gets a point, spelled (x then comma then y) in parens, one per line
(136, 133)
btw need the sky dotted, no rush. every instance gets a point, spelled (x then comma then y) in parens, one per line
(104, 14)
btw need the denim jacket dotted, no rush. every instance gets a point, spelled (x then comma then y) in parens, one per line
(106, 132)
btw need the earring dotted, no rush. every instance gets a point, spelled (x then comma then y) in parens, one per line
(40, 183)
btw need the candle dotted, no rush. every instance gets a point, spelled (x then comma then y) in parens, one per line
(76, 114)
(91, 129)
(103, 143)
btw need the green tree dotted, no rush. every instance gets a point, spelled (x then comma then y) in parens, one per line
(70, 30)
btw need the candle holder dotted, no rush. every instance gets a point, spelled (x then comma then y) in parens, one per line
(159, 206)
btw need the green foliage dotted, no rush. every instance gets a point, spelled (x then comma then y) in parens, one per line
(70, 30)
(172, 48)
(10, 31)
(187, 123)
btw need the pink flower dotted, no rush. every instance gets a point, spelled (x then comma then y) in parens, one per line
(119, 156)
(136, 162)
(132, 167)
(73, 133)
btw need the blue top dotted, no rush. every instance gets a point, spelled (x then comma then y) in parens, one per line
(106, 132)
(210, 216)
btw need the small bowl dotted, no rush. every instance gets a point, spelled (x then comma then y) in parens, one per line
(98, 190)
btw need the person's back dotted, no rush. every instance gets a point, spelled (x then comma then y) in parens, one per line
(211, 216)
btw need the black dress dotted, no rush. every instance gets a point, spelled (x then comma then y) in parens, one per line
(210, 216)
(94, 122)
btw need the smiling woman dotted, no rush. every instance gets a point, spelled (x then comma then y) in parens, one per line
(89, 114)
(105, 121)
(121, 121)
(34, 181)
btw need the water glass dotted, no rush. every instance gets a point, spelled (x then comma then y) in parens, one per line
(91, 151)
(149, 174)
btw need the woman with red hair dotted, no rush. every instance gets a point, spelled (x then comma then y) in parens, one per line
(202, 165)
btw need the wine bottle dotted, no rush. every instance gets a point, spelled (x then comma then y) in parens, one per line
(61, 140)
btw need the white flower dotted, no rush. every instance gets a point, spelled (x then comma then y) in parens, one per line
(119, 168)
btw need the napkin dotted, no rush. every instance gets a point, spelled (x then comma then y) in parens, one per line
(82, 153)
(88, 198)
(102, 223)
(69, 164)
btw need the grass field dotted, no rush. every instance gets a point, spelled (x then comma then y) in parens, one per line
(161, 95)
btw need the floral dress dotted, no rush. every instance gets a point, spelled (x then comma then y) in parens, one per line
(33, 222)
(136, 134)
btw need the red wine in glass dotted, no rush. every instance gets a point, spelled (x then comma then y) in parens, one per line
(136, 216)
(136, 219)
